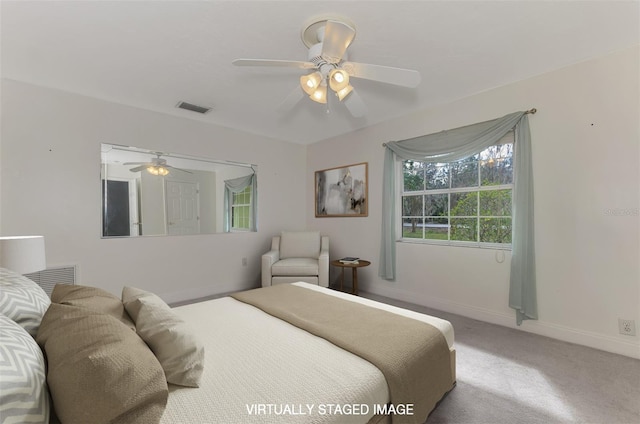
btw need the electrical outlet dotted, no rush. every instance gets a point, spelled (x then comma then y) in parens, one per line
(244, 261)
(627, 327)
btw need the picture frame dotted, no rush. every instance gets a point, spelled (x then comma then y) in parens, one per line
(342, 191)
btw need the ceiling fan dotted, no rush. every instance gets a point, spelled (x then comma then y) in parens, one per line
(328, 40)
(157, 166)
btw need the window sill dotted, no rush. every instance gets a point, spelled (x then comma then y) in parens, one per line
(476, 245)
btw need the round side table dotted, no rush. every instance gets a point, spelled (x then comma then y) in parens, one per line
(354, 272)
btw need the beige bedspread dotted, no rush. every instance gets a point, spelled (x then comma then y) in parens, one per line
(253, 359)
(412, 355)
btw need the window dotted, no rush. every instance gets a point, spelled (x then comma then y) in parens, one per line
(467, 202)
(241, 210)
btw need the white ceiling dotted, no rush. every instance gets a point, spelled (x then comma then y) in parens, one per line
(153, 54)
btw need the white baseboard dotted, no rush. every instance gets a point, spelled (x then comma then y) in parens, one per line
(555, 331)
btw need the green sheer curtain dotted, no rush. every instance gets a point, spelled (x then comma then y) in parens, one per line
(456, 144)
(237, 185)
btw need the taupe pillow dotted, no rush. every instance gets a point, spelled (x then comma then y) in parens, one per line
(99, 371)
(169, 337)
(92, 298)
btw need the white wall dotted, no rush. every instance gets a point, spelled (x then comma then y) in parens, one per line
(585, 140)
(50, 173)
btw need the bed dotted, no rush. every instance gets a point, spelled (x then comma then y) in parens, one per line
(254, 366)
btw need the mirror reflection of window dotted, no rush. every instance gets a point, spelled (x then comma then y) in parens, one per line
(150, 193)
(240, 208)
(240, 203)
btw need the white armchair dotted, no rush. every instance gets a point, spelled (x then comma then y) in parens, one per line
(297, 256)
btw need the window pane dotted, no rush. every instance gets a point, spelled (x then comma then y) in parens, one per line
(464, 204)
(412, 227)
(413, 175)
(437, 175)
(495, 203)
(436, 205)
(464, 229)
(240, 217)
(461, 211)
(412, 206)
(496, 165)
(240, 209)
(464, 173)
(436, 229)
(495, 230)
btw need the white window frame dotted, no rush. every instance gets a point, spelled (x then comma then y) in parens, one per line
(509, 138)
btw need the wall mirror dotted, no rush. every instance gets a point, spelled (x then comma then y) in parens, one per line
(153, 193)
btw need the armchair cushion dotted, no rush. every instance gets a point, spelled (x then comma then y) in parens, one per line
(304, 244)
(295, 266)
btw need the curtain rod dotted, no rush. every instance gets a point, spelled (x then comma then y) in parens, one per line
(531, 111)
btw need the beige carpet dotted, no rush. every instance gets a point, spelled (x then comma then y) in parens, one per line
(507, 376)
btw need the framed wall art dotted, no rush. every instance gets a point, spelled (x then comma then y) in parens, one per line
(342, 191)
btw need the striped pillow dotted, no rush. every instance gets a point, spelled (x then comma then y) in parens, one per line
(22, 300)
(24, 397)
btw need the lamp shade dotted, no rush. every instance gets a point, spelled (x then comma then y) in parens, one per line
(22, 254)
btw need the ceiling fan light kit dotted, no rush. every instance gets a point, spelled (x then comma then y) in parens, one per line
(158, 170)
(328, 40)
(158, 166)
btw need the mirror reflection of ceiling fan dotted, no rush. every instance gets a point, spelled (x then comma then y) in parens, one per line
(157, 166)
(328, 41)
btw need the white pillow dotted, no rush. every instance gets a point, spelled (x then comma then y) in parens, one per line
(178, 350)
(22, 300)
(24, 396)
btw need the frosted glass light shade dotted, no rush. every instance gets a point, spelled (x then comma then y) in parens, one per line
(320, 94)
(311, 82)
(338, 79)
(344, 92)
(22, 254)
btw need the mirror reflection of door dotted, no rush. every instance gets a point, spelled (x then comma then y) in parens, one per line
(182, 200)
(119, 208)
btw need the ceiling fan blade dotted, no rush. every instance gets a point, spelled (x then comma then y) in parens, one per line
(396, 76)
(177, 169)
(139, 168)
(291, 100)
(274, 63)
(337, 37)
(354, 103)
(137, 163)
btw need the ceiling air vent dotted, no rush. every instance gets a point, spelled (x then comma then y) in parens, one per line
(193, 108)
